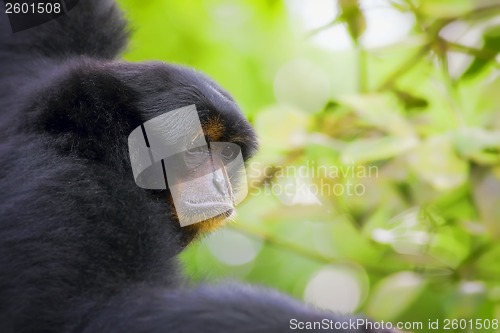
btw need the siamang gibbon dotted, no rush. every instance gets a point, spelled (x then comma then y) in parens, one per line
(82, 247)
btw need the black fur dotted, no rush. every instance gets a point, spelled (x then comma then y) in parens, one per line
(83, 249)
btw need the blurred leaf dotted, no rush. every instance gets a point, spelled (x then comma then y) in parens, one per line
(411, 101)
(352, 15)
(281, 128)
(379, 110)
(487, 101)
(487, 198)
(344, 234)
(394, 294)
(488, 263)
(377, 220)
(436, 162)
(480, 145)
(450, 245)
(467, 300)
(401, 6)
(490, 49)
(275, 265)
(368, 150)
(445, 8)
(331, 106)
(456, 205)
(430, 215)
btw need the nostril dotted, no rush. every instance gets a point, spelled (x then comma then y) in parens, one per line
(219, 183)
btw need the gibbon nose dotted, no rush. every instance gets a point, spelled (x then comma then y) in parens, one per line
(220, 183)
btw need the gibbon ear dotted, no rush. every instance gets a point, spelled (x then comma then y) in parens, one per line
(87, 106)
(84, 100)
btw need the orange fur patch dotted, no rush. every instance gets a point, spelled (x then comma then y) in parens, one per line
(214, 129)
(208, 225)
(200, 227)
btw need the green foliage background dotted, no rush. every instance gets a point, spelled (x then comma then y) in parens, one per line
(423, 240)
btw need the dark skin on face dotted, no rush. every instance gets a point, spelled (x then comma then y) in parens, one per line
(213, 130)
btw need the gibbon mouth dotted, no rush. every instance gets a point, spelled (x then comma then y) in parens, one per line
(212, 223)
(214, 210)
(224, 215)
(219, 219)
(209, 205)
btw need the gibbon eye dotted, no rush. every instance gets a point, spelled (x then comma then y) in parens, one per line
(229, 152)
(192, 150)
(195, 156)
